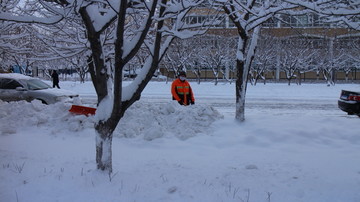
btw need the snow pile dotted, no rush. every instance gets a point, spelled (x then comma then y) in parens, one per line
(150, 121)
(165, 120)
(22, 114)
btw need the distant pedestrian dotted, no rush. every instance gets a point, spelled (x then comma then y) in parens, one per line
(181, 90)
(55, 78)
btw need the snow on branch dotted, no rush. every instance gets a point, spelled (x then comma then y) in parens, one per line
(31, 19)
(330, 7)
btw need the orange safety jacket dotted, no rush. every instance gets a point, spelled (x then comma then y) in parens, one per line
(181, 91)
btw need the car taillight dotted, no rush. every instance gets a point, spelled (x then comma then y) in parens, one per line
(354, 97)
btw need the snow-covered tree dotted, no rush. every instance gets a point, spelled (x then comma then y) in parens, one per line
(344, 12)
(180, 56)
(28, 44)
(216, 53)
(66, 42)
(295, 55)
(249, 15)
(201, 53)
(265, 58)
(152, 24)
(18, 45)
(80, 63)
(350, 59)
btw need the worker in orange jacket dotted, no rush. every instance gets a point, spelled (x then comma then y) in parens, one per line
(181, 90)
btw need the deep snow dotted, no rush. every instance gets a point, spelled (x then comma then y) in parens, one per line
(295, 146)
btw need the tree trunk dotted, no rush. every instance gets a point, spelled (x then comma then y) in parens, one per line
(245, 56)
(104, 151)
(240, 91)
(105, 128)
(104, 133)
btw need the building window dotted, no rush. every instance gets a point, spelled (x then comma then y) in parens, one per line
(272, 22)
(308, 20)
(213, 21)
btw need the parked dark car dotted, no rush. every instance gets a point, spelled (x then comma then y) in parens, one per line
(16, 87)
(350, 102)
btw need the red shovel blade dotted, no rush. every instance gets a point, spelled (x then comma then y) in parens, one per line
(76, 109)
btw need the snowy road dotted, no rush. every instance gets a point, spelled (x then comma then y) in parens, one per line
(266, 105)
(259, 99)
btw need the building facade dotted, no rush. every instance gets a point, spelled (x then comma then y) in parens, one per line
(322, 50)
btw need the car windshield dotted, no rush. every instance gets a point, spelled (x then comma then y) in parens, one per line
(36, 84)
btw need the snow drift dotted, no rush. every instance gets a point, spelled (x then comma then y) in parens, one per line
(146, 120)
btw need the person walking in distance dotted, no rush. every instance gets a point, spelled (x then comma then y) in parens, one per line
(55, 78)
(181, 90)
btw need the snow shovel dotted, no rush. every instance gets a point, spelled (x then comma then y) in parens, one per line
(76, 109)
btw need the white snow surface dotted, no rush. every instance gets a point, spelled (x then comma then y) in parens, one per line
(295, 146)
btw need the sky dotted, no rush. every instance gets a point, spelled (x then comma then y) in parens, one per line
(295, 145)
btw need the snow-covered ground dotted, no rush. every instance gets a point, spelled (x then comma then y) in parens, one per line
(295, 146)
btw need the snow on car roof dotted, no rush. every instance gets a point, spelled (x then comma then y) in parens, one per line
(15, 76)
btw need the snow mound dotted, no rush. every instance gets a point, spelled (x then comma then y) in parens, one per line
(149, 121)
(166, 120)
(22, 114)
